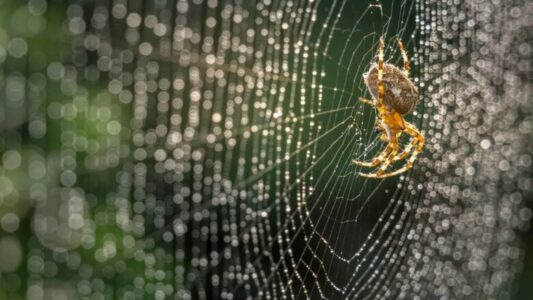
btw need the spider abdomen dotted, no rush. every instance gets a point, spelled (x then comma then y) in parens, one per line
(400, 92)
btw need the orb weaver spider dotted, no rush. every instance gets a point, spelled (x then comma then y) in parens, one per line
(396, 96)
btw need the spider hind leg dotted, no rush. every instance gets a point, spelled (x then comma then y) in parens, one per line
(384, 162)
(417, 143)
(376, 161)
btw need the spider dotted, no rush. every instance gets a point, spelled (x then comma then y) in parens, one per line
(394, 95)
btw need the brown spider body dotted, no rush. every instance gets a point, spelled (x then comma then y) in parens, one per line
(394, 95)
(399, 92)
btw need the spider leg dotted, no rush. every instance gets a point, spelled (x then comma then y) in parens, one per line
(367, 101)
(376, 161)
(417, 141)
(406, 64)
(408, 149)
(384, 165)
(381, 88)
(381, 93)
(380, 127)
(392, 148)
(386, 161)
(419, 138)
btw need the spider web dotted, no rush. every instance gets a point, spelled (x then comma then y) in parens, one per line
(228, 129)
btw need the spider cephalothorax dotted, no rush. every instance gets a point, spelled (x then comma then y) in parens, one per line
(394, 95)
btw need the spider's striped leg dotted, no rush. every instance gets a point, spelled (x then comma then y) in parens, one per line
(408, 148)
(418, 140)
(415, 140)
(382, 111)
(381, 88)
(405, 58)
(376, 161)
(387, 158)
(367, 101)
(384, 137)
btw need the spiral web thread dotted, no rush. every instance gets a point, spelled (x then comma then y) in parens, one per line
(230, 126)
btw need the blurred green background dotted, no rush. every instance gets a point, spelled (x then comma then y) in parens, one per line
(64, 136)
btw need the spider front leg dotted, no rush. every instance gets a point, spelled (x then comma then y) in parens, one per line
(381, 88)
(405, 58)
